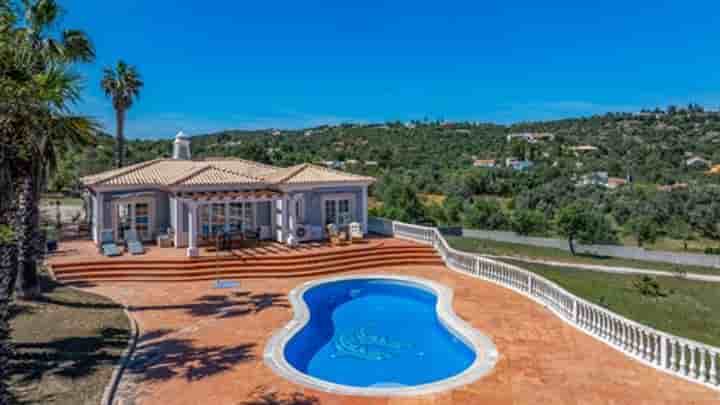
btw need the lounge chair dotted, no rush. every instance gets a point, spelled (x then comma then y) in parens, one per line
(355, 232)
(107, 244)
(134, 246)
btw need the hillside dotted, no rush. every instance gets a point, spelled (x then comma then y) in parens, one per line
(665, 195)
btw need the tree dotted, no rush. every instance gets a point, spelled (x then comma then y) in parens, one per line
(528, 222)
(644, 229)
(121, 84)
(680, 229)
(37, 90)
(581, 222)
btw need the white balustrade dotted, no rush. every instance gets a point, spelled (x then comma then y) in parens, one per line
(692, 360)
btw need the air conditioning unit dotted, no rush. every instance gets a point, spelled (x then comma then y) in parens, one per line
(303, 233)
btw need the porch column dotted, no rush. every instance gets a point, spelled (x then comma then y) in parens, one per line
(177, 226)
(364, 205)
(99, 224)
(291, 239)
(192, 249)
(285, 218)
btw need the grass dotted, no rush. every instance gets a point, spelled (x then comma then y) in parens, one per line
(67, 344)
(690, 308)
(544, 253)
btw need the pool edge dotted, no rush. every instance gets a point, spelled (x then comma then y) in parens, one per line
(486, 352)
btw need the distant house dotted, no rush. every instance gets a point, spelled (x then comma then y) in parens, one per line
(594, 179)
(696, 162)
(309, 132)
(333, 164)
(463, 131)
(351, 162)
(517, 164)
(714, 170)
(485, 163)
(532, 137)
(615, 182)
(673, 187)
(371, 163)
(583, 149)
(276, 132)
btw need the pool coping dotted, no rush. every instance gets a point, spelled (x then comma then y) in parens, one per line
(485, 360)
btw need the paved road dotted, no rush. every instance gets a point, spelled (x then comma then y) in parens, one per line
(613, 269)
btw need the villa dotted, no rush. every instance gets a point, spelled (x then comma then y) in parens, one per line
(190, 201)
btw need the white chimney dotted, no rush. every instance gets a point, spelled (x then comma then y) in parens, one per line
(181, 146)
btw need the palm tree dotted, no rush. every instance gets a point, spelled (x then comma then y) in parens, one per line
(122, 84)
(37, 90)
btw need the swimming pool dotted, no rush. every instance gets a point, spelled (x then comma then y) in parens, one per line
(378, 335)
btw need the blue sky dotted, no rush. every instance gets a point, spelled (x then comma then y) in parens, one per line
(225, 64)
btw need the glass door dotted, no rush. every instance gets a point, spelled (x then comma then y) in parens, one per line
(338, 211)
(142, 220)
(134, 215)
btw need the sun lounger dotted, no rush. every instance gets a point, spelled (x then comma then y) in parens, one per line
(134, 246)
(107, 243)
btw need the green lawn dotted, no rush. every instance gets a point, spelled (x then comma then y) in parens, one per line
(67, 344)
(690, 309)
(534, 252)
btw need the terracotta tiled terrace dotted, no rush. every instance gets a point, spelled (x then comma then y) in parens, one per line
(201, 345)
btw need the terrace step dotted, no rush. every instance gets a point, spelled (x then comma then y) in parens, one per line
(202, 263)
(214, 268)
(178, 276)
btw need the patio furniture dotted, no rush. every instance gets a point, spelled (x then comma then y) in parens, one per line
(251, 237)
(107, 244)
(164, 241)
(134, 246)
(336, 237)
(355, 232)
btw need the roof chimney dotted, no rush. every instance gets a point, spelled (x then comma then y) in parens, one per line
(181, 147)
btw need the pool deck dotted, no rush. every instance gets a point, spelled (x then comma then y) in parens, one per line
(201, 345)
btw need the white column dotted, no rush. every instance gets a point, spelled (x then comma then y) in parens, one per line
(285, 219)
(192, 249)
(364, 206)
(279, 212)
(178, 225)
(100, 218)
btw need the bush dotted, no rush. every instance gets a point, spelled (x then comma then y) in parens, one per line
(712, 251)
(649, 287)
(528, 222)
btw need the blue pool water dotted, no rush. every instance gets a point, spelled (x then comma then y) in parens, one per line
(375, 333)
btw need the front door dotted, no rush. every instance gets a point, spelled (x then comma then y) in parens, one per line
(135, 214)
(338, 211)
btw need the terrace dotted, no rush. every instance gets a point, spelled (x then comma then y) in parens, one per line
(198, 340)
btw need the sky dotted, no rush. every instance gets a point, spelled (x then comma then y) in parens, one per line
(228, 64)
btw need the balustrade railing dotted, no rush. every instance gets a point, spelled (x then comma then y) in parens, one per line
(686, 358)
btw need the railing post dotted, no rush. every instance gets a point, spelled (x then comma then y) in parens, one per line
(530, 284)
(575, 311)
(664, 361)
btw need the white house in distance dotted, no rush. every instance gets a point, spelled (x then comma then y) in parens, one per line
(193, 200)
(532, 137)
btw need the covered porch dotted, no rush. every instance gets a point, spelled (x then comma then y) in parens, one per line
(197, 218)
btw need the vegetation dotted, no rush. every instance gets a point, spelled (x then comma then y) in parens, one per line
(674, 305)
(122, 84)
(494, 248)
(435, 158)
(67, 346)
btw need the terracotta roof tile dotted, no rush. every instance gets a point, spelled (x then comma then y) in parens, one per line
(172, 172)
